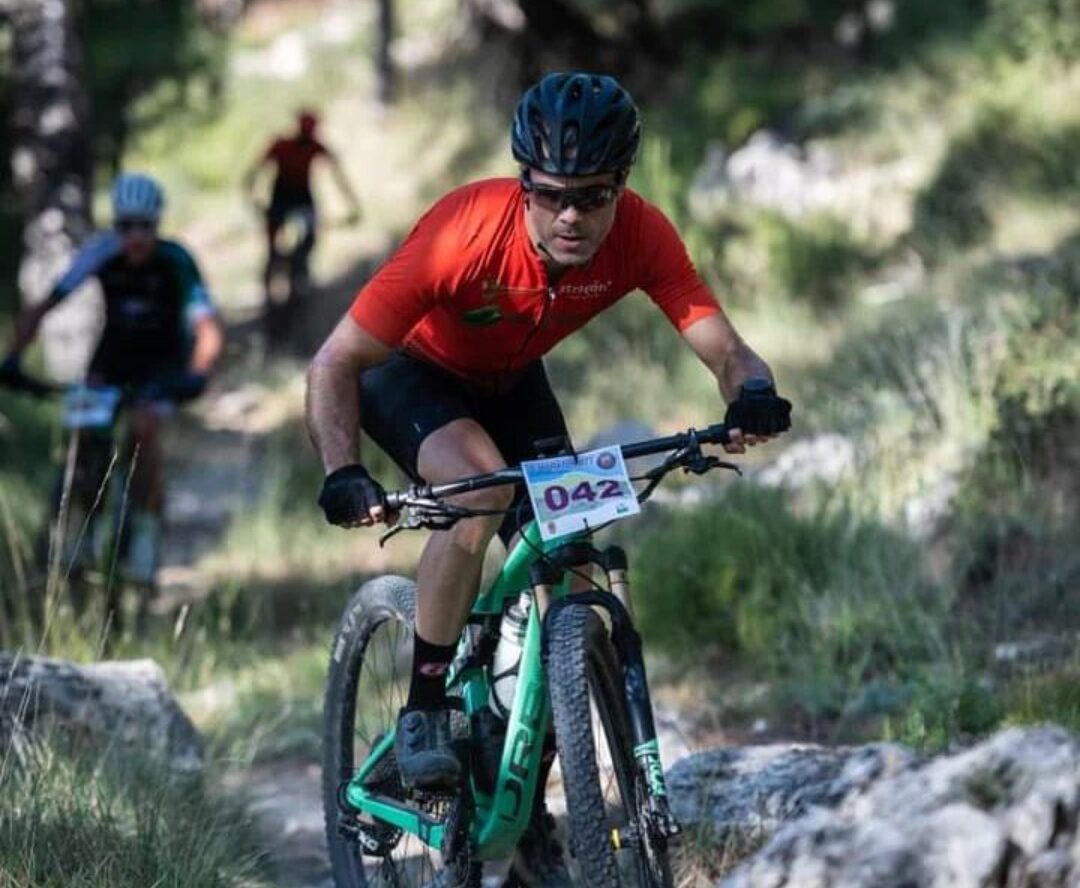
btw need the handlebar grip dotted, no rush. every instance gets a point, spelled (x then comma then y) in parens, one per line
(717, 434)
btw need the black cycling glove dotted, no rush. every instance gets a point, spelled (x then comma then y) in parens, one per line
(758, 410)
(10, 370)
(348, 494)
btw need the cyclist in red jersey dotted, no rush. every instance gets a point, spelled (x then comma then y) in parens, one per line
(439, 360)
(293, 158)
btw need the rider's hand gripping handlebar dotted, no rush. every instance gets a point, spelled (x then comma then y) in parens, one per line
(424, 506)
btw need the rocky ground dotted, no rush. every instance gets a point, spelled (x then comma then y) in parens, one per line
(1005, 812)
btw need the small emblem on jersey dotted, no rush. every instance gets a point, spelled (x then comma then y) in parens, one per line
(482, 317)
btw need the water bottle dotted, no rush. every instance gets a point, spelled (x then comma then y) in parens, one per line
(507, 659)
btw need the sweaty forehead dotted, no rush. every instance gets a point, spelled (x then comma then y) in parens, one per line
(541, 178)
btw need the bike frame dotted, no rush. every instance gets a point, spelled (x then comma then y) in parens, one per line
(501, 818)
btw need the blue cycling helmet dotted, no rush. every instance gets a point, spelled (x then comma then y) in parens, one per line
(576, 125)
(135, 196)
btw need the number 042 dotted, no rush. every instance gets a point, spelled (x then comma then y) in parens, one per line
(557, 497)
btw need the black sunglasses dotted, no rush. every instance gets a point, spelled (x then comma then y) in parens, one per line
(586, 199)
(125, 225)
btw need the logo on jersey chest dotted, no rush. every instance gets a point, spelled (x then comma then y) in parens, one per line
(482, 317)
(591, 290)
(497, 304)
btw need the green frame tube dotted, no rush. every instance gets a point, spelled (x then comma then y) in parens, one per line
(501, 819)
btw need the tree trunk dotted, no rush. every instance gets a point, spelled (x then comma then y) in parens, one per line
(385, 72)
(559, 35)
(52, 167)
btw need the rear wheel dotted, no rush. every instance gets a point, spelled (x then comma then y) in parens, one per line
(610, 842)
(367, 685)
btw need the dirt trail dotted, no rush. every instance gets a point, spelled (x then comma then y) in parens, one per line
(213, 469)
(214, 473)
(285, 808)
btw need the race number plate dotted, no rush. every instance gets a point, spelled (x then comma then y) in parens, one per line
(90, 407)
(574, 493)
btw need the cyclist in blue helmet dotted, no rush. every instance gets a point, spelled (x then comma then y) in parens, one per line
(161, 337)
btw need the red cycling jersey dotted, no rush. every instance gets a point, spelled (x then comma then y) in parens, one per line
(294, 156)
(467, 290)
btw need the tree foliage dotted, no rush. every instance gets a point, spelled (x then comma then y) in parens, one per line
(147, 60)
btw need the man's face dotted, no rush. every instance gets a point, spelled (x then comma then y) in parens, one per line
(569, 228)
(137, 239)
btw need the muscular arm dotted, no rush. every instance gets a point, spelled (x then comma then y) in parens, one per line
(343, 183)
(209, 341)
(732, 362)
(28, 321)
(333, 391)
(252, 174)
(720, 348)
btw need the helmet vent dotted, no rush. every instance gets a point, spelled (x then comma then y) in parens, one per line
(576, 125)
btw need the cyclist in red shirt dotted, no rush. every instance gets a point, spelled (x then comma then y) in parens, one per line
(439, 360)
(293, 158)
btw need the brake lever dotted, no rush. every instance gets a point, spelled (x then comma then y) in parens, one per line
(392, 532)
(422, 514)
(700, 464)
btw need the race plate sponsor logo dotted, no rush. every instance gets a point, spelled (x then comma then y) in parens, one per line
(90, 407)
(574, 493)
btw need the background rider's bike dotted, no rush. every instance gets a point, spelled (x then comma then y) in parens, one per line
(286, 274)
(286, 277)
(535, 657)
(85, 545)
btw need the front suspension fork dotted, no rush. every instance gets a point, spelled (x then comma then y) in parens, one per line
(546, 574)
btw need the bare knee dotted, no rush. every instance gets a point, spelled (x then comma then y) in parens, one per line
(462, 449)
(144, 424)
(474, 534)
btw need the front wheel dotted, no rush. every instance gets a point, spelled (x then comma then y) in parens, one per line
(610, 841)
(368, 683)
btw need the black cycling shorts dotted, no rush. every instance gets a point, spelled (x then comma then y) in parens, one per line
(112, 365)
(404, 399)
(284, 200)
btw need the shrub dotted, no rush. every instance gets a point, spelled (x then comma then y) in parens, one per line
(830, 598)
(89, 822)
(1006, 150)
(1027, 28)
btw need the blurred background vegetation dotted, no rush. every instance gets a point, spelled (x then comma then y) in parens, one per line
(885, 196)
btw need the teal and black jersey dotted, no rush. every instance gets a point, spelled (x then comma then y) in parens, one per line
(150, 309)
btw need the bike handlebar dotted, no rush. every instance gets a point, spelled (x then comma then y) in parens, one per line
(30, 385)
(714, 434)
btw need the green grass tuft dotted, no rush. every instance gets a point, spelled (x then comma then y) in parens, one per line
(87, 821)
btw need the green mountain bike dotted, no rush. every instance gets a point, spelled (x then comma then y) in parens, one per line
(536, 654)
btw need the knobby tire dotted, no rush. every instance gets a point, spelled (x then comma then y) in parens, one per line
(584, 677)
